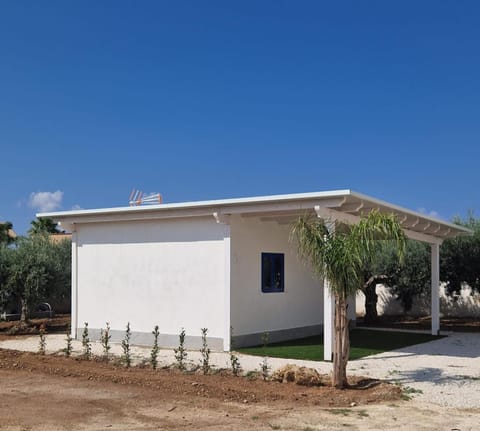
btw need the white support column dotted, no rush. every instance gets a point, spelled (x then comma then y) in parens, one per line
(435, 255)
(328, 322)
(328, 312)
(74, 288)
(352, 310)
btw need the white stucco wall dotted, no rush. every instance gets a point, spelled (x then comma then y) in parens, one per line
(465, 305)
(168, 273)
(253, 311)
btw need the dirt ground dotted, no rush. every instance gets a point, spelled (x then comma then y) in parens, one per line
(57, 393)
(59, 323)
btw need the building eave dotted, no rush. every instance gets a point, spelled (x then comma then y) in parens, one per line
(342, 205)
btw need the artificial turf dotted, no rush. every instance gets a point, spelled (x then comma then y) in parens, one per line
(363, 342)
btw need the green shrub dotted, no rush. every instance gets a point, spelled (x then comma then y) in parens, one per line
(205, 351)
(69, 348)
(105, 340)
(42, 345)
(180, 352)
(127, 358)
(155, 349)
(87, 345)
(234, 361)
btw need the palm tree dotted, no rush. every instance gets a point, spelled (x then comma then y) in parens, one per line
(340, 256)
(44, 225)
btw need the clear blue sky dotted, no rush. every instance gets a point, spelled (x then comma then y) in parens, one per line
(202, 100)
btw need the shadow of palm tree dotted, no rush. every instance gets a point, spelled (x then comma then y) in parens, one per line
(429, 374)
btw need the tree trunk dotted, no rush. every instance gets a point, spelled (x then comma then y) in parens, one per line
(24, 311)
(342, 344)
(371, 299)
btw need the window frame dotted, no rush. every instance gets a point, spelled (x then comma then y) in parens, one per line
(272, 256)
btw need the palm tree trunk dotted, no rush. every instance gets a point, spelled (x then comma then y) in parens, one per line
(346, 344)
(341, 345)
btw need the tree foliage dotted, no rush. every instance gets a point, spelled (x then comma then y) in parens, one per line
(5, 236)
(340, 256)
(5, 263)
(33, 269)
(410, 278)
(44, 225)
(460, 258)
(375, 272)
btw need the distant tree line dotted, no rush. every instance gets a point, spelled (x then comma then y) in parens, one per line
(33, 268)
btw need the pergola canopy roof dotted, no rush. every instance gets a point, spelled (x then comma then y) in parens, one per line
(345, 206)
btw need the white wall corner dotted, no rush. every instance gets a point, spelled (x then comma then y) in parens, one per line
(227, 288)
(74, 287)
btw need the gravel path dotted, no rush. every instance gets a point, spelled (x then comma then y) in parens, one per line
(445, 372)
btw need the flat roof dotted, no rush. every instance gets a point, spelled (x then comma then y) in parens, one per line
(343, 205)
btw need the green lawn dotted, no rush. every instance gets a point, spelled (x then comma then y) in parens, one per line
(363, 342)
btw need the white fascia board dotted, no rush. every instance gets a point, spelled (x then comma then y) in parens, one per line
(332, 215)
(199, 208)
(400, 209)
(260, 204)
(221, 214)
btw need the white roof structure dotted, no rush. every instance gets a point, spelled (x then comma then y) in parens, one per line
(345, 206)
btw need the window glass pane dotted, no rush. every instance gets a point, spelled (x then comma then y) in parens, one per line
(266, 271)
(277, 271)
(272, 272)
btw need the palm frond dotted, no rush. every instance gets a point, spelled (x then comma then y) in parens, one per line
(342, 255)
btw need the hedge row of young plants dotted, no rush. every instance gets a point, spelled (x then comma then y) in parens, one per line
(181, 353)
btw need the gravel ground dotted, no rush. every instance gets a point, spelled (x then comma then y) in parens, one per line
(445, 372)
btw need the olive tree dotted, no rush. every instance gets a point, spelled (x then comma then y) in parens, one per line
(411, 278)
(33, 269)
(405, 279)
(460, 258)
(6, 236)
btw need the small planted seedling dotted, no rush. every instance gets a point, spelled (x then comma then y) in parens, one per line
(105, 340)
(265, 368)
(68, 348)
(180, 352)
(42, 345)
(205, 351)
(234, 361)
(127, 357)
(265, 337)
(155, 349)
(86, 344)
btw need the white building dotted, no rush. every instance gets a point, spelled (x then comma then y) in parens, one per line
(216, 265)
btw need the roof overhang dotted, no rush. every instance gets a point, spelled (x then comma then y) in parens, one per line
(344, 206)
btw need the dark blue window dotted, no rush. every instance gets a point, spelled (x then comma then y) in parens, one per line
(273, 272)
